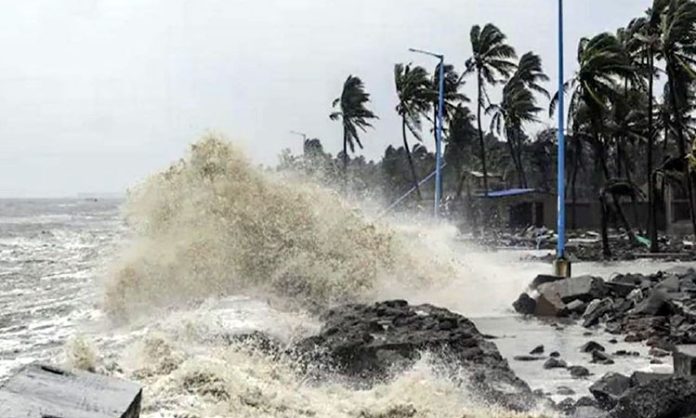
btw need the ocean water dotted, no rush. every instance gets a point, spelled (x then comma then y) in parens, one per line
(152, 288)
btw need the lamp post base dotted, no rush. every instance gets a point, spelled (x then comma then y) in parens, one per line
(561, 267)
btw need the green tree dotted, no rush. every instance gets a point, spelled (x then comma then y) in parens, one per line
(354, 115)
(518, 107)
(491, 63)
(678, 49)
(413, 89)
(601, 62)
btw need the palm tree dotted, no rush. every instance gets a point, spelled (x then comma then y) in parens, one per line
(413, 89)
(518, 106)
(353, 112)
(678, 49)
(601, 60)
(452, 97)
(490, 62)
(647, 33)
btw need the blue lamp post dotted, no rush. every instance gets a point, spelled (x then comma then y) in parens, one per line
(438, 130)
(561, 264)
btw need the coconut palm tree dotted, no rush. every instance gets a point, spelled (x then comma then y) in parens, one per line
(678, 50)
(647, 35)
(413, 89)
(491, 63)
(518, 106)
(354, 114)
(601, 62)
(452, 97)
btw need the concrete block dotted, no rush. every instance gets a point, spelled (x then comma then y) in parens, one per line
(42, 391)
(684, 359)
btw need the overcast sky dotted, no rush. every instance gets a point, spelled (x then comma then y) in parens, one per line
(96, 94)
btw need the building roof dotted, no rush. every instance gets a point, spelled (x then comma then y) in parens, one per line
(507, 193)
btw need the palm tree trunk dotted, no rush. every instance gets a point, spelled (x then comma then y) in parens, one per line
(616, 203)
(511, 148)
(573, 191)
(414, 177)
(517, 156)
(480, 132)
(652, 207)
(345, 158)
(682, 146)
(606, 250)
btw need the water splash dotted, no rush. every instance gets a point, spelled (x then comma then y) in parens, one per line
(213, 225)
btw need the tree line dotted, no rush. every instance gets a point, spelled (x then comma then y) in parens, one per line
(625, 136)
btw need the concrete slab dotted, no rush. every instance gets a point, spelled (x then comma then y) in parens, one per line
(41, 391)
(684, 359)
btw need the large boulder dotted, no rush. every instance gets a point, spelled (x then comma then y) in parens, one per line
(656, 304)
(370, 342)
(525, 304)
(609, 389)
(596, 310)
(661, 398)
(584, 288)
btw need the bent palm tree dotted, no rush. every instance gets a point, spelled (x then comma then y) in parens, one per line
(602, 61)
(413, 89)
(490, 62)
(354, 114)
(678, 49)
(518, 106)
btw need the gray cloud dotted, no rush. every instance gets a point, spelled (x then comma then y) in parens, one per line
(94, 94)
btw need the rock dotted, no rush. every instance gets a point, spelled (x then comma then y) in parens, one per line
(565, 390)
(578, 371)
(632, 279)
(587, 401)
(684, 360)
(609, 389)
(575, 307)
(687, 284)
(588, 412)
(643, 378)
(656, 304)
(613, 328)
(543, 279)
(567, 406)
(537, 350)
(621, 290)
(658, 352)
(591, 346)
(673, 397)
(525, 304)
(42, 390)
(555, 354)
(613, 341)
(636, 296)
(528, 358)
(549, 304)
(371, 342)
(680, 270)
(656, 361)
(670, 285)
(624, 353)
(584, 288)
(595, 310)
(554, 363)
(600, 357)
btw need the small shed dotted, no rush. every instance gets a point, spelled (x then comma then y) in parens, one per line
(517, 207)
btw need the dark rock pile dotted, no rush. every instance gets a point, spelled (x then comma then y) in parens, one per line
(659, 309)
(642, 395)
(371, 342)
